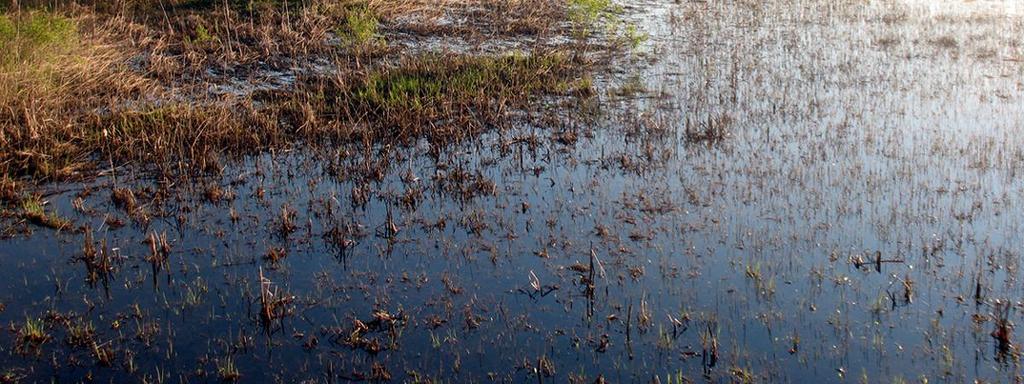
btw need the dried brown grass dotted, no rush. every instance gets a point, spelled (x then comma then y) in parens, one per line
(131, 83)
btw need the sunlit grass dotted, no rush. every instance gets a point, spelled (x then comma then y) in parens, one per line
(360, 27)
(30, 37)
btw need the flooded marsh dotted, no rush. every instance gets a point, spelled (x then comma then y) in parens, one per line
(579, 191)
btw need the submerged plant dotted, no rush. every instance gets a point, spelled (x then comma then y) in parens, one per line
(1003, 331)
(710, 130)
(274, 305)
(227, 371)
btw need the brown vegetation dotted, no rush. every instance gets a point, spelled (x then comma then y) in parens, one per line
(86, 86)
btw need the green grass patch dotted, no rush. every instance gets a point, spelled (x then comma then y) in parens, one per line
(33, 212)
(585, 14)
(33, 36)
(433, 89)
(588, 16)
(201, 36)
(360, 27)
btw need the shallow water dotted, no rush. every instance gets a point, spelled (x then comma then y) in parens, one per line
(891, 129)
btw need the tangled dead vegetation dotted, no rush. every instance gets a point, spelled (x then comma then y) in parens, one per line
(86, 86)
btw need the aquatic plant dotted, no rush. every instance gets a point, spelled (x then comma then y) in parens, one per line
(227, 371)
(33, 331)
(33, 211)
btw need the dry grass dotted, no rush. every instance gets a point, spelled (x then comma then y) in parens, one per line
(54, 69)
(485, 17)
(442, 98)
(84, 87)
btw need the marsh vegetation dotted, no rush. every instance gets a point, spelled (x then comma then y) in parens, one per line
(588, 191)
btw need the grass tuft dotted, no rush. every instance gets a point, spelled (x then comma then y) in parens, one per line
(360, 27)
(34, 36)
(227, 371)
(34, 332)
(585, 15)
(33, 211)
